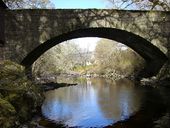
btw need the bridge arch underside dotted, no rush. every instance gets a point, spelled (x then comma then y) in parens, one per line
(152, 55)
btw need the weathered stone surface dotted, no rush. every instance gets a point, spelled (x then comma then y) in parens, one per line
(27, 29)
(7, 114)
(19, 97)
(2, 27)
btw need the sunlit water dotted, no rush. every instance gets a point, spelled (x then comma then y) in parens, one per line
(93, 103)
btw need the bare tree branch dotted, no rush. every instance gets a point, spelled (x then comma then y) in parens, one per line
(141, 4)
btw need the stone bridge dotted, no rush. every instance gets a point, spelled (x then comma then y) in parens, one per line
(27, 34)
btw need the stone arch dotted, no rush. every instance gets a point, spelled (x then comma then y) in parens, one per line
(152, 55)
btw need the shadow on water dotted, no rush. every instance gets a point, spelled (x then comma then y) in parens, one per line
(151, 109)
(102, 103)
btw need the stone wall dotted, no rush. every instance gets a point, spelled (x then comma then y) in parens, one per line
(27, 29)
(2, 33)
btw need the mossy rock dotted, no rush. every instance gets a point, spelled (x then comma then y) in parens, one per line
(10, 70)
(7, 114)
(17, 90)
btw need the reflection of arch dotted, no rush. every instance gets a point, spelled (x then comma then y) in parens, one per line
(153, 56)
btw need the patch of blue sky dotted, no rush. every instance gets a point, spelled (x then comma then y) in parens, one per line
(79, 4)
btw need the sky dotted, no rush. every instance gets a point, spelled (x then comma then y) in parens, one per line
(88, 43)
(84, 43)
(83, 4)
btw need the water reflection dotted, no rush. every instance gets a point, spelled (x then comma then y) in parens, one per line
(92, 103)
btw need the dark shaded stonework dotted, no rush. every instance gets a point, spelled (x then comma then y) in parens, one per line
(2, 29)
(26, 30)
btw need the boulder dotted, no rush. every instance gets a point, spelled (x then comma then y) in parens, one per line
(20, 97)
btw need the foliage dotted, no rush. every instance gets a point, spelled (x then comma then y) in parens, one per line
(114, 57)
(109, 57)
(62, 58)
(31, 4)
(7, 114)
(140, 4)
(84, 69)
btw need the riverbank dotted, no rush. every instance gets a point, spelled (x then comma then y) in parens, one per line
(19, 97)
(52, 78)
(52, 86)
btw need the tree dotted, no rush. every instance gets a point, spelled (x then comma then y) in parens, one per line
(85, 60)
(104, 53)
(31, 4)
(59, 59)
(140, 4)
(69, 55)
(112, 56)
(48, 62)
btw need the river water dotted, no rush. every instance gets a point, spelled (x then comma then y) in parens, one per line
(96, 102)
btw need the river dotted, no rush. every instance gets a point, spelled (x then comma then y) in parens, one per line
(98, 102)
